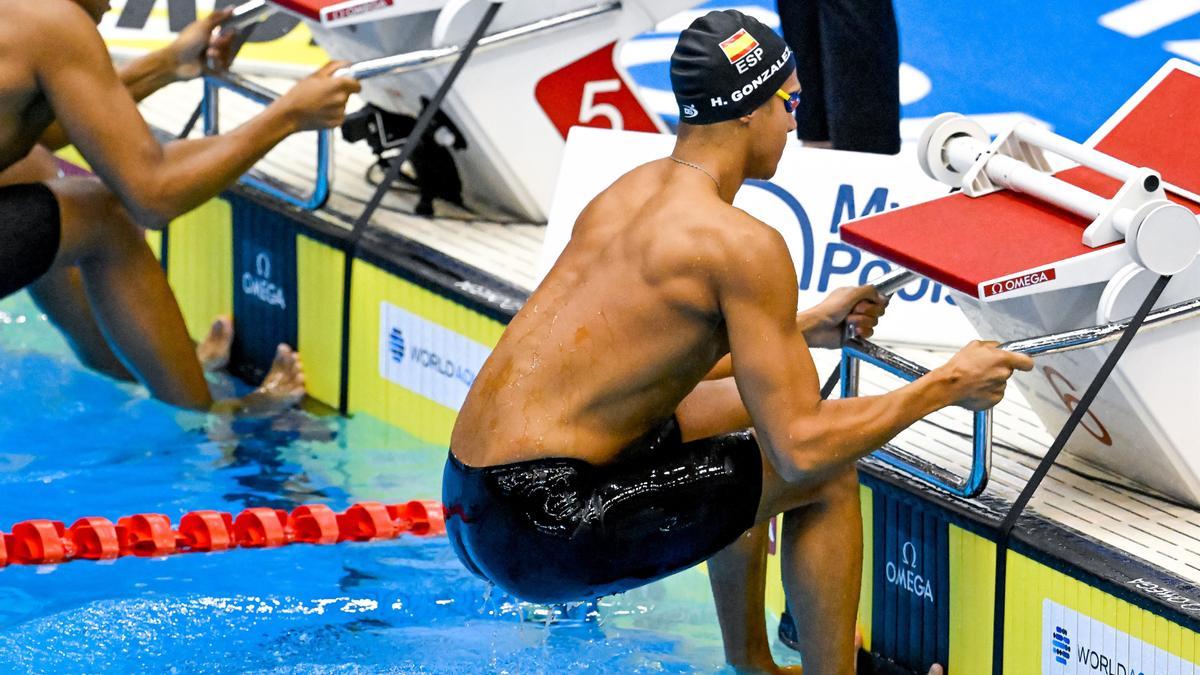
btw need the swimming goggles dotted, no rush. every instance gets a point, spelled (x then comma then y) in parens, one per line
(790, 101)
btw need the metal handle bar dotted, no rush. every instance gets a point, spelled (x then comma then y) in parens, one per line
(857, 350)
(246, 14)
(424, 58)
(250, 12)
(1098, 335)
(893, 281)
(316, 198)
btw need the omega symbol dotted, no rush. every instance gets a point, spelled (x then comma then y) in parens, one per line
(262, 265)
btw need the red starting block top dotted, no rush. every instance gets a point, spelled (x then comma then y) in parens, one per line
(962, 241)
(343, 12)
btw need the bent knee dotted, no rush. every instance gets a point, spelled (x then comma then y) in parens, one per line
(842, 485)
(94, 222)
(36, 167)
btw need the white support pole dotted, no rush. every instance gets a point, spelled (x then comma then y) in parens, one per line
(1089, 157)
(1014, 174)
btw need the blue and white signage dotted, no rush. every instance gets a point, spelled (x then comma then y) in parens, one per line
(258, 283)
(425, 358)
(1076, 644)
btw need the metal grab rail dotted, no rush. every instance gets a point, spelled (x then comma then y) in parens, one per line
(254, 10)
(857, 351)
(210, 109)
(425, 58)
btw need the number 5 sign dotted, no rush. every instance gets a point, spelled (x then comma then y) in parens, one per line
(591, 92)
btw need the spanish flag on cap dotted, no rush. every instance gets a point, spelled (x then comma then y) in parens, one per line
(738, 45)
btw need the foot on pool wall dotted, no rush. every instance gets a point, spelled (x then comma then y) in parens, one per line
(866, 663)
(281, 389)
(213, 351)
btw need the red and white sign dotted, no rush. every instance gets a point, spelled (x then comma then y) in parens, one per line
(1018, 282)
(341, 12)
(591, 92)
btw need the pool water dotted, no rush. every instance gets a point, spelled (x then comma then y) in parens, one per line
(73, 444)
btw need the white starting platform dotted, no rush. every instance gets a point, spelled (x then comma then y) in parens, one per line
(1054, 264)
(539, 69)
(1030, 253)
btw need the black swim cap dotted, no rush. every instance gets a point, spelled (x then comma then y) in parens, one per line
(726, 65)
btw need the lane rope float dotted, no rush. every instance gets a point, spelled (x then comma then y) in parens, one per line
(44, 541)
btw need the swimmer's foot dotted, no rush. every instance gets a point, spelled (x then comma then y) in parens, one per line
(281, 389)
(213, 351)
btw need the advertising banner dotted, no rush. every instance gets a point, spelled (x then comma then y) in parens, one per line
(1077, 644)
(425, 358)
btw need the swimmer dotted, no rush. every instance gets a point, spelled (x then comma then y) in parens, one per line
(604, 443)
(56, 82)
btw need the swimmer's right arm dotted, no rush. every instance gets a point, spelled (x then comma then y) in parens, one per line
(156, 182)
(181, 60)
(776, 378)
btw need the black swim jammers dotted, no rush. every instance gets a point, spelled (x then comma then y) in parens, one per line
(30, 229)
(562, 529)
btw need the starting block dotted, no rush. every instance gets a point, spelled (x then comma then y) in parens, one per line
(541, 68)
(1069, 256)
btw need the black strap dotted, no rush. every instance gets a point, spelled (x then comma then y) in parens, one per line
(360, 225)
(1043, 468)
(831, 382)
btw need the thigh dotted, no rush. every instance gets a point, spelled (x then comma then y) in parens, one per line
(781, 496)
(93, 221)
(37, 167)
(713, 408)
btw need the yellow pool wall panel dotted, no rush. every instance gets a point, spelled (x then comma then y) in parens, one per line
(866, 591)
(972, 587)
(200, 264)
(369, 391)
(319, 278)
(1030, 584)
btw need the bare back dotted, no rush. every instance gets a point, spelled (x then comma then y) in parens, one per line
(620, 331)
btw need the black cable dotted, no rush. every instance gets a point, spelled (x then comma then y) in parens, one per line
(1043, 468)
(351, 247)
(191, 123)
(831, 382)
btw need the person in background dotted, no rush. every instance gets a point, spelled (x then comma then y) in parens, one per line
(848, 60)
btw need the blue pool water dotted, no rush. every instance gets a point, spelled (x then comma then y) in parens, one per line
(74, 444)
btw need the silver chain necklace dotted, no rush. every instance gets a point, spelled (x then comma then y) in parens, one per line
(699, 168)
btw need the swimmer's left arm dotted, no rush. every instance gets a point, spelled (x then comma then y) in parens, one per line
(158, 182)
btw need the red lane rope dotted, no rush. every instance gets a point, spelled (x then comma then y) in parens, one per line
(41, 542)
